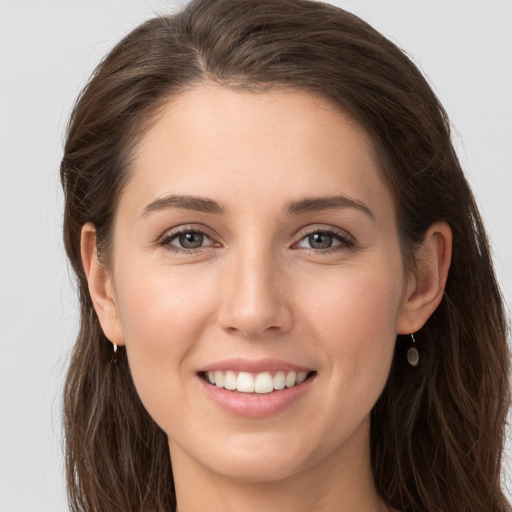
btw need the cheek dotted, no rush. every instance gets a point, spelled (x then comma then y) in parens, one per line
(163, 316)
(352, 319)
(157, 310)
(356, 303)
(353, 314)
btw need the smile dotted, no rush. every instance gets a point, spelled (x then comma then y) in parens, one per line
(257, 383)
(252, 389)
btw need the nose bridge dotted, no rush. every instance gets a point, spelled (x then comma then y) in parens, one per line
(254, 293)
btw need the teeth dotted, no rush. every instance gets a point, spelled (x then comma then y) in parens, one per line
(245, 382)
(219, 379)
(291, 379)
(264, 382)
(279, 380)
(301, 377)
(230, 381)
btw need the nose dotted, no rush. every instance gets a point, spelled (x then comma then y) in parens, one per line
(254, 295)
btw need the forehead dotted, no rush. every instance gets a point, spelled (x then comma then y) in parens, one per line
(214, 141)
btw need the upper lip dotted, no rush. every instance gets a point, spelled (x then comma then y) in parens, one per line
(254, 366)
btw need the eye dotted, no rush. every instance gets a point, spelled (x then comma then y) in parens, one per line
(326, 240)
(186, 240)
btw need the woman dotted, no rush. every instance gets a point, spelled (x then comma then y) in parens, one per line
(281, 272)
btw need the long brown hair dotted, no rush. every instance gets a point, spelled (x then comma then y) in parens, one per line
(437, 431)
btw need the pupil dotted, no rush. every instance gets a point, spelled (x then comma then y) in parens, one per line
(320, 240)
(191, 240)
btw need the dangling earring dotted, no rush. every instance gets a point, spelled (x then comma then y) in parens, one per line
(413, 357)
(114, 355)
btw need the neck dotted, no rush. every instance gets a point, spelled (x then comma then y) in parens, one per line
(341, 482)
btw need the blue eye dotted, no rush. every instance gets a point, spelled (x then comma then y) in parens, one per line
(326, 240)
(186, 240)
(190, 241)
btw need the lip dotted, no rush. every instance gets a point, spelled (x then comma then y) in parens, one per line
(254, 405)
(254, 366)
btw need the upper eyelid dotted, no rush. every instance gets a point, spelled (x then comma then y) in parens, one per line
(342, 233)
(177, 230)
(172, 233)
(312, 228)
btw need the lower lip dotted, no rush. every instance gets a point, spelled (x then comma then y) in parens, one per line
(255, 405)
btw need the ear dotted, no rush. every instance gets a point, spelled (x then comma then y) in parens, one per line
(101, 286)
(425, 287)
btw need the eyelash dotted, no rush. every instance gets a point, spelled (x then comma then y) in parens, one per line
(168, 238)
(346, 241)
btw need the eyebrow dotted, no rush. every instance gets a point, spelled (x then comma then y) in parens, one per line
(198, 204)
(308, 204)
(314, 204)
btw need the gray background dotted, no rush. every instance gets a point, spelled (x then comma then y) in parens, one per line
(47, 51)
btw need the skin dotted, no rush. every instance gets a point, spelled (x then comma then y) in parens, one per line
(259, 287)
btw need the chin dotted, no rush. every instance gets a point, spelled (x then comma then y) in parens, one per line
(257, 469)
(250, 457)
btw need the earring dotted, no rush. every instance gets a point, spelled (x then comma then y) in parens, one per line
(413, 356)
(114, 355)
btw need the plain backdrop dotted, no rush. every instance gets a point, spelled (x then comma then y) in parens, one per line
(47, 51)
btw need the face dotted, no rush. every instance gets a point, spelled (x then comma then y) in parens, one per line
(256, 248)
